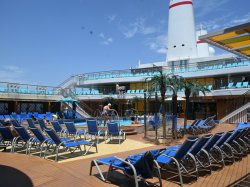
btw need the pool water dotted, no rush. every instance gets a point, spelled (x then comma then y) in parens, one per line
(122, 123)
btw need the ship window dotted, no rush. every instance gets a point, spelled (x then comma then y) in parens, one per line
(174, 46)
(183, 45)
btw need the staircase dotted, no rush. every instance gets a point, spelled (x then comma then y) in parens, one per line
(80, 107)
(239, 115)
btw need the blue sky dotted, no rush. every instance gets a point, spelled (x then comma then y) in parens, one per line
(46, 41)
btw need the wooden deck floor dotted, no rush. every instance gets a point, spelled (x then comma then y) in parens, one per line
(21, 170)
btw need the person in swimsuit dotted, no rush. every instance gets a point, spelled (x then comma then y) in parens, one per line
(105, 113)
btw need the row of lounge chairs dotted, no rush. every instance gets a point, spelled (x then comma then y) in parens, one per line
(187, 159)
(113, 130)
(45, 138)
(38, 140)
(199, 126)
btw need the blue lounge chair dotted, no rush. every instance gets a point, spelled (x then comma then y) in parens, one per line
(114, 131)
(173, 159)
(28, 140)
(230, 85)
(139, 167)
(15, 123)
(93, 130)
(245, 85)
(31, 123)
(58, 128)
(238, 85)
(203, 160)
(7, 138)
(43, 140)
(42, 124)
(213, 152)
(71, 130)
(58, 142)
(220, 145)
(230, 147)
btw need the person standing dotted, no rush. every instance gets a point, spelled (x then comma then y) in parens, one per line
(105, 113)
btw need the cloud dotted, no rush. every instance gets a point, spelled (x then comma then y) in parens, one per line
(224, 21)
(158, 43)
(111, 18)
(11, 73)
(105, 40)
(208, 6)
(138, 27)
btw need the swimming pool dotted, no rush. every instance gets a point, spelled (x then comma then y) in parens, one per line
(122, 123)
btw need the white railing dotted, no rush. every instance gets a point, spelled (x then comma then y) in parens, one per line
(239, 115)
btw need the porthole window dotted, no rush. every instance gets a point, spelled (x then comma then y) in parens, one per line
(174, 46)
(183, 45)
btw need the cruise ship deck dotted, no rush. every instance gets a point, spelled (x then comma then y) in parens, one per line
(33, 171)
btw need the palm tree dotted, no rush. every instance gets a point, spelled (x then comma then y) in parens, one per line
(191, 88)
(164, 81)
(161, 82)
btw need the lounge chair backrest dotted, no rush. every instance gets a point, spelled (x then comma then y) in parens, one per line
(185, 147)
(230, 85)
(6, 133)
(213, 141)
(225, 136)
(70, 127)
(52, 134)
(56, 126)
(39, 135)
(61, 121)
(113, 127)
(7, 116)
(245, 84)
(31, 123)
(195, 122)
(234, 135)
(15, 123)
(200, 144)
(24, 135)
(245, 133)
(200, 123)
(238, 84)
(42, 124)
(92, 126)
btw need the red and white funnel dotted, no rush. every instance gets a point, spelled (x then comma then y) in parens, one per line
(181, 31)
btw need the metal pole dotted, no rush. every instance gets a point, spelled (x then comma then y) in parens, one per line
(155, 110)
(145, 115)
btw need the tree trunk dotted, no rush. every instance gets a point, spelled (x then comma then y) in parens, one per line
(186, 113)
(174, 120)
(164, 125)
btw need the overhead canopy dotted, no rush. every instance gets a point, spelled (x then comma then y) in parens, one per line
(234, 39)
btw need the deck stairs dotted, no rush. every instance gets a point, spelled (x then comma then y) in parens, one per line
(80, 107)
(239, 115)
